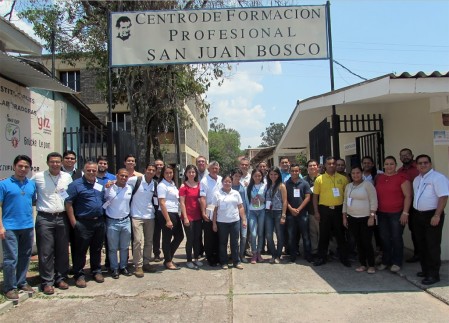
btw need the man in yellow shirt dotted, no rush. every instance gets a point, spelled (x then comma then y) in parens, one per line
(328, 194)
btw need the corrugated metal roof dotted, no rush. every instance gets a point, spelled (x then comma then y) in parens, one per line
(419, 74)
(17, 40)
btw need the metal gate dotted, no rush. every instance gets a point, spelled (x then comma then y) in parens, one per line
(368, 145)
(320, 140)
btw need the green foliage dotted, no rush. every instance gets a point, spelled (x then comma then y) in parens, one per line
(272, 134)
(224, 146)
(301, 159)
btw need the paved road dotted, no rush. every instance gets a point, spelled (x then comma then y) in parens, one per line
(259, 293)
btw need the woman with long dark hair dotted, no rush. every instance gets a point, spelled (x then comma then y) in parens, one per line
(189, 194)
(255, 200)
(168, 216)
(275, 209)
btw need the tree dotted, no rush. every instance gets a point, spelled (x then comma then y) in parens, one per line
(272, 134)
(224, 145)
(154, 94)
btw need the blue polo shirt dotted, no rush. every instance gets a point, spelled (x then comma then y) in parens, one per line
(303, 187)
(87, 199)
(17, 203)
(107, 177)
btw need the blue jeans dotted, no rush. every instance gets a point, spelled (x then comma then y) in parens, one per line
(272, 223)
(226, 230)
(299, 224)
(243, 234)
(17, 247)
(390, 230)
(256, 220)
(119, 237)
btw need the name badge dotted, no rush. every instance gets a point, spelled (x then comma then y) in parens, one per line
(268, 205)
(349, 201)
(98, 187)
(336, 192)
(63, 193)
(296, 192)
(155, 201)
(106, 204)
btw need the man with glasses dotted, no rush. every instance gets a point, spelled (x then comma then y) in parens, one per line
(409, 168)
(16, 227)
(68, 164)
(431, 190)
(52, 225)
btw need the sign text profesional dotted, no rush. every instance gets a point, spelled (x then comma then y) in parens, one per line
(219, 35)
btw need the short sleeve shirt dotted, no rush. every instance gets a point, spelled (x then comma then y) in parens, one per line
(17, 203)
(170, 193)
(118, 199)
(191, 195)
(330, 188)
(50, 191)
(428, 189)
(142, 201)
(227, 205)
(86, 198)
(296, 193)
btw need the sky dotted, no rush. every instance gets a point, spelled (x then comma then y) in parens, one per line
(370, 38)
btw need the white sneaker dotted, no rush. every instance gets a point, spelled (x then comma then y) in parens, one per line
(381, 267)
(191, 265)
(395, 268)
(198, 263)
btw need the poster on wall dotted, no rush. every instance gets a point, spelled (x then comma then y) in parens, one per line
(441, 138)
(26, 125)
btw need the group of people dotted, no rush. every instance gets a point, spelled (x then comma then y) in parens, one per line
(91, 208)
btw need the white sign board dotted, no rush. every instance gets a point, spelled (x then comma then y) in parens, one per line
(219, 35)
(26, 125)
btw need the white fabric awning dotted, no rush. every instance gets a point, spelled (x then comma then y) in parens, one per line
(20, 72)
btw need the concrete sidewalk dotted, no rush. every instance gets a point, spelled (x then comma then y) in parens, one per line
(262, 292)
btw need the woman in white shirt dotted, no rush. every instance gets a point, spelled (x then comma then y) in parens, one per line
(226, 221)
(359, 208)
(168, 213)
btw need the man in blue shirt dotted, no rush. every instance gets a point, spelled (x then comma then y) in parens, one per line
(284, 165)
(17, 194)
(84, 207)
(103, 175)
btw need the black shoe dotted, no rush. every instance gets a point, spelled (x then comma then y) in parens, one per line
(420, 274)
(346, 262)
(115, 274)
(125, 272)
(319, 262)
(415, 258)
(430, 280)
(309, 258)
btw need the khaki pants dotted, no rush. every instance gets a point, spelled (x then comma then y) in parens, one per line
(143, 230)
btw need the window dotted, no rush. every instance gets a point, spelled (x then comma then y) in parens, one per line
(71, 79)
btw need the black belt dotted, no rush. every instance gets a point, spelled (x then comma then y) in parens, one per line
(425, 212)
(52, 214)
(88, 218)
(118, 219)
(332, 207)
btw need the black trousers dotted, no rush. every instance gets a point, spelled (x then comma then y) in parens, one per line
(89, 234)
(157, 236)
(429, 242)
(331, 222)
(210, 243)
(363, 235)
(411, 227)
(193, 235)
(52, 240)
(171, 238)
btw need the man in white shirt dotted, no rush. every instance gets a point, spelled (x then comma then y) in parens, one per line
(201, 164)
(431, 191)
(143, 219)
(52, 225)
(118, 224)
(244, 167)
(208, 186)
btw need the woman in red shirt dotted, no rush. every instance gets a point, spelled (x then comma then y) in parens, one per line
(189, 193)
(394, 195)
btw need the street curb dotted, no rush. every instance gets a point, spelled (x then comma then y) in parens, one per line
(7, 305)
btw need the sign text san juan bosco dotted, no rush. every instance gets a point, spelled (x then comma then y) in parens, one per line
(279, 49)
